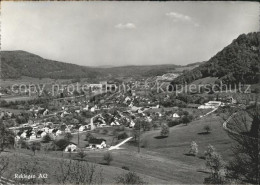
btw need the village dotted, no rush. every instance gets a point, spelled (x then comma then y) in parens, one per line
(103, 112)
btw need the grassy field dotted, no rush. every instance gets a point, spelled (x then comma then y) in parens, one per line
(167, 158)
(49, 165)
(162, 160)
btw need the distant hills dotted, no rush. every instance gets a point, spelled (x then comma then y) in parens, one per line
(238, 62)
(20, 63)
(15, 64)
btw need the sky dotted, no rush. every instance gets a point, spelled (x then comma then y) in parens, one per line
(125, 33)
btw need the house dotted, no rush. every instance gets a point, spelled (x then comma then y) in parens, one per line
(132, 124)
(149, 119)
(85, 108)
(23, 135)
(40, 134)
(45, 112)
(175, 115)
(92, 109)
(210, 105)
(97, 143)
(33, 136)
(231, 100)
(192, 105)
(159, 114)
(83, 127)
(72, 147)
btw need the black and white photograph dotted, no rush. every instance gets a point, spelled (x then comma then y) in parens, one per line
(129, 92)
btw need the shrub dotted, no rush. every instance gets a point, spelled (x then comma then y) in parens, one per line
(207, 128)
(210, 150)
(47, 138)
(89, 136)
(104, 131)
(23, 143)
(36, 145)
(129, 178)
(125, 168)
(165, 130)
(68, 136)
(61, 144)
(81, 154)
(194, 148)
(172, 123)
(108, 157)
(120, 128)
(122, 136)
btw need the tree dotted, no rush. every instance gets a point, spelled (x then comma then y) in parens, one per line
(61, 144)
(6, 137)
(78, 172)
(89, 136)
(68, 136)
(215, 164)
(81, 154)
(4, 164)
(165, 130)
(245, 166)
(47, 138)
(28, 166)
(108, 157)
(35, 145)
(207, 128)
(129, 178)
(210, 150)
(186, 119)
(193, 148)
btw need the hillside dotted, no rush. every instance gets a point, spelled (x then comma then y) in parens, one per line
(238, 62)
(141, 71)
(20, 63)
(15, 64)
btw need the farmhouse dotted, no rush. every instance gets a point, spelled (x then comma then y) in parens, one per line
(175, 115)
(97, 143)
(72, 147)
(210, 105)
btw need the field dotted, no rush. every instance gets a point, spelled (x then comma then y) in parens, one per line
(167, 159)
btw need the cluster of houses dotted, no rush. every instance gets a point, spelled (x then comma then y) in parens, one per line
(37, 111)
(94, 143)
(6, 114)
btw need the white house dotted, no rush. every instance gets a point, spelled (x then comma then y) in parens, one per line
(132, 124)
(71, 148)
(159, 114)
(33, 136)
(59, 132)
(85, 108)
(92, 109)
(97, 143)
(149, 119)
(43, 134)
(210, 105)
(113, 123)
(175, 115)
(82, 128)
(23, 135)
(45, 112)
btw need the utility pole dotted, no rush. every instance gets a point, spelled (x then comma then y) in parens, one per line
(78, 137)
(139, 136)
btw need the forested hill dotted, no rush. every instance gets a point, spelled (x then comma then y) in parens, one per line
(238, 62)
(20, 63)
(15, 64)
